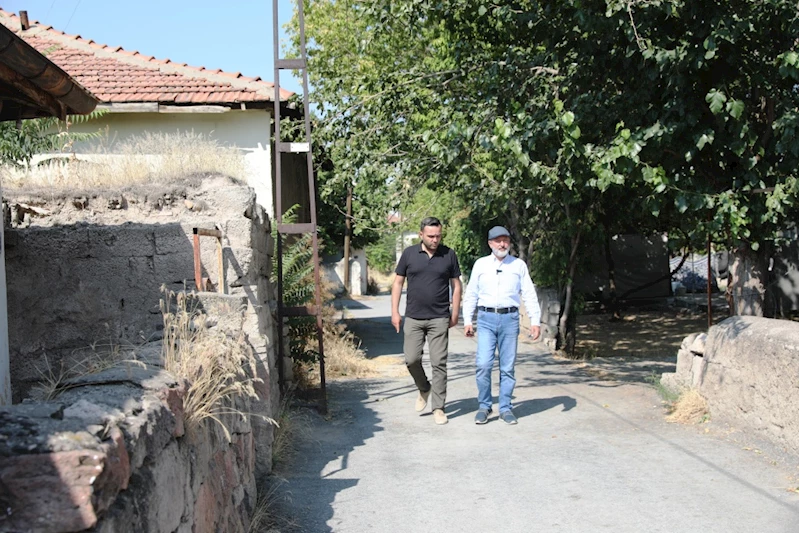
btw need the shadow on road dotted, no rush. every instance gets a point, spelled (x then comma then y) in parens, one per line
(322, 453)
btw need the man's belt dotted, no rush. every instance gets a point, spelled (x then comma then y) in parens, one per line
(499, 310)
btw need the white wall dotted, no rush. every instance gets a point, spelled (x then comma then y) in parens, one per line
(359, 273)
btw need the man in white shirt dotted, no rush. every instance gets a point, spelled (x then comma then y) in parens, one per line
(494, 288)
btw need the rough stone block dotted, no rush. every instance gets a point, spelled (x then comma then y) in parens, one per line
(128, 240)
(698, 366)
(698, 345)
(751, 377)
(62, 491)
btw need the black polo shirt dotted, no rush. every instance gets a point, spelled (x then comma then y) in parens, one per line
(428, 280)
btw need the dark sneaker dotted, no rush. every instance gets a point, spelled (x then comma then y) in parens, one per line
(482, 416)
(508, 418)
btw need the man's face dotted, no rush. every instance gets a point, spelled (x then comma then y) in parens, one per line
(500, 244)
(431, 237)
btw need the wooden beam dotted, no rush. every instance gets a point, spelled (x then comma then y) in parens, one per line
(130, 107)
(192, 109)
(32, 93)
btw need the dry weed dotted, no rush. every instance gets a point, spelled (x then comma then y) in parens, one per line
(343, 355)
(220, 369)
(93, 359)
(268, 517)
(291, 424)
(146, 158)
(690, 408)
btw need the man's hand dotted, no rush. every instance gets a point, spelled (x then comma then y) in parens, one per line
(468, 330)
(396, 321)
(535, 332)
(453, 321)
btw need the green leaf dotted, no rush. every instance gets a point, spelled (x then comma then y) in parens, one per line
(705, 138)
(735, 108)
(481, 10)
(716, 100)
(567, 119)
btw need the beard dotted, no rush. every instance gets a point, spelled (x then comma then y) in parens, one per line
(501, 253)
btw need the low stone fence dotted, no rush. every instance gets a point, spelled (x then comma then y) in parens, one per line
(113, 453)
(747, 368)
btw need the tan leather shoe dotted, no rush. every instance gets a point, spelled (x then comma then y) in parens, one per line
(421, 401)
(440, 417)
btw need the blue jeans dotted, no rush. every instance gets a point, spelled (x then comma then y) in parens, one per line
(496, 331)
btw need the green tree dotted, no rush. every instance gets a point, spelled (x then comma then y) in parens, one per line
(570, 120)
(19, 143)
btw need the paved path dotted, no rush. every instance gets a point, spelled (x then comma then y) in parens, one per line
(587, 456)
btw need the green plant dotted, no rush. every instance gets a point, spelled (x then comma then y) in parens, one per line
(18, 145)
(669, 396)
(298, 289)
(220, 369)
(382, 255)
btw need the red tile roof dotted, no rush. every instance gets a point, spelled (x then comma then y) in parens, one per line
(115, 75)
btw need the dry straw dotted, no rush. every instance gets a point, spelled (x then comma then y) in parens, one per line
(147, 158)
(220, 370)
(690, 408)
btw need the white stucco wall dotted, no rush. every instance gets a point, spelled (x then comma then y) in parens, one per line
(248, 130)
(359, 273)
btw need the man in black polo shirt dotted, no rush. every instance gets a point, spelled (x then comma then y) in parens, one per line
(431, 269)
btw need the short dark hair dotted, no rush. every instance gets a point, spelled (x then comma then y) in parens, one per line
(429, 221)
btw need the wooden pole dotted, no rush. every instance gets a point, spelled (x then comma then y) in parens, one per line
(709, 287)
(347, 233)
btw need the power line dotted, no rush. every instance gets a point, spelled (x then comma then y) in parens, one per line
(72, 15)
(48, 10)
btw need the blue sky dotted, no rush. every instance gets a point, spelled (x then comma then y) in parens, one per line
(234, 36)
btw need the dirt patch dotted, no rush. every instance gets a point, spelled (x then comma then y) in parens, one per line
(640, 346)
(647, 334)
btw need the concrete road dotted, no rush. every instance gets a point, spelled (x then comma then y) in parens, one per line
(587, 455)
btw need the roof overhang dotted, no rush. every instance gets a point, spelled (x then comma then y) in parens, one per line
(32, 86)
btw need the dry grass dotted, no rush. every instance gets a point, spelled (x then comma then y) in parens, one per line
(147, 158)
(291, 424)
(380, 281)
(93, 359)
(343, 355)
(267, 517)
(220, 369)
(690, 408)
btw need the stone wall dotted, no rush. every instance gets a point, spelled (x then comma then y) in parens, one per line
(747, 368)
(85, 271)
(112, 451)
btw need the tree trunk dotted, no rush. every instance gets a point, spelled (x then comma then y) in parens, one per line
(612, 300)
(746, 289)
(567, 333)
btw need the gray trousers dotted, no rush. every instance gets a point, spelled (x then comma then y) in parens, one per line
(436, 331)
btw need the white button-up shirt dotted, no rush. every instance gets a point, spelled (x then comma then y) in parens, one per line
(499, 283)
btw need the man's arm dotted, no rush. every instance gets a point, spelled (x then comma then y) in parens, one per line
(470, 300)
(531, 305)
(396, 293)
(455, 283)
